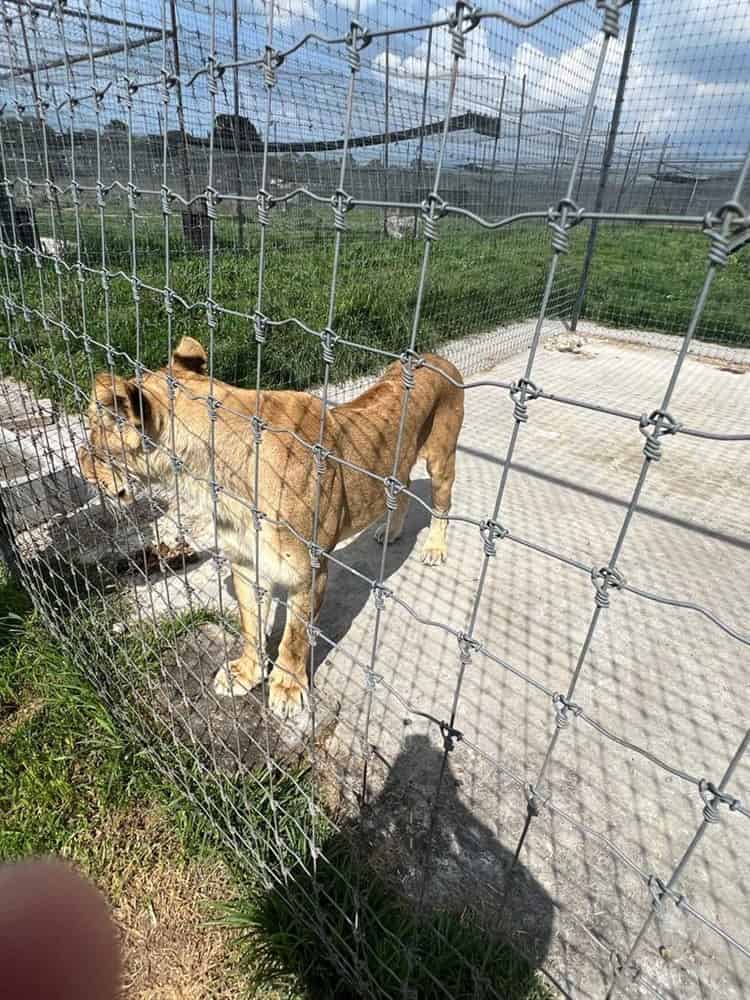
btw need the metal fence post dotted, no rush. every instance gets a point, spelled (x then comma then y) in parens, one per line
(420, 151)
(185, 155)
(609, 152)
(657, 177)
(238, 161)
(498, 129)
(512, 204)
(387, 149)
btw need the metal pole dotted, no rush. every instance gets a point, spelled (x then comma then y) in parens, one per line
(692, 195)
(609, 152)
(386, 151)
(585, 155)
(420, 151)
(498, 129)
(42, 123)
(637, 171)
(624, 181)
(518, 146)
(560, 150)
(662, 155)
(235, 58)
(185, 157)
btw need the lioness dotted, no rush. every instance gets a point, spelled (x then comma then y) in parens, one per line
(133, 437)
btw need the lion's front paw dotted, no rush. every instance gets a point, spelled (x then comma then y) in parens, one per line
(237, 677)
(286, 696)
(434, 553)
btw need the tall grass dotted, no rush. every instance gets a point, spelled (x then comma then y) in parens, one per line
(642, 276)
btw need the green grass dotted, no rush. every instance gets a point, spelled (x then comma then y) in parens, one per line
(649, 278)
(646, 277)
(440, 953)
(74, 755)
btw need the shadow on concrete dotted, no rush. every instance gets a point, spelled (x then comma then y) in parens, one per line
(400, 906)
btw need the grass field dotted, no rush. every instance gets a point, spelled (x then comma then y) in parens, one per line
(644, 277)
(86, 774)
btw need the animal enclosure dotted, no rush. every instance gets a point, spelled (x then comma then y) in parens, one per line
(534, 754)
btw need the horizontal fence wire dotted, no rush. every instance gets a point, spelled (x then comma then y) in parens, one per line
(62, 292)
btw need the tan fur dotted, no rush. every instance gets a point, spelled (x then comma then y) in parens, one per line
(125, 417)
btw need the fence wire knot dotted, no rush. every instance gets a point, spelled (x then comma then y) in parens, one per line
(372, 679)
(603, 579)
(451, 736)
(328, 339)
(260, 325)
(611, 22)
(658, 891)
(713, 798)
(212, 405)
(133, 193)
(521, 392)
(166, 198)
(491, 532)
(313, 634)
(258, 427)
(356, 40)
(315, 553)
(265, 204)
(214, 72)
(662, 423)
(271, 62)
(433, 208)
(733, 208)
(718, 252)
(168, 300)
(342, 203)
(532, 800)
(409, 362)
(463, 20)
(466, 646)
(379, 594)
(320, 458)
(564, 708)
(212, 200)
(560, 220)
(392, 489)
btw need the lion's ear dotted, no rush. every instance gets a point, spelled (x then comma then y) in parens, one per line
(120, 396)
(190, 356)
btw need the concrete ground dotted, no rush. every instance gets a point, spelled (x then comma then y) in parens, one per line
(664, 678)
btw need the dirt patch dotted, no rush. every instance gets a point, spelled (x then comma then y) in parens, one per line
(12, 718)
(731, 367)
(162, 904)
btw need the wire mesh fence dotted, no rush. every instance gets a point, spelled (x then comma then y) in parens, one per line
(204, 203)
